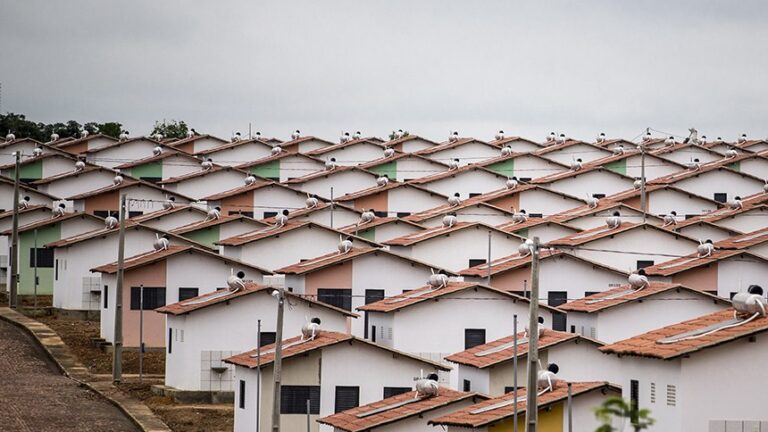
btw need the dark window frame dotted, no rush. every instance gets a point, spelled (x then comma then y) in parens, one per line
(153, 296)
(339, 297)
(241, 395)
(476, 261)
(187, 291)
(472, 337)
(44, 257)
(644, 263)
(394, 391)
(346, 398)
(106, 296)
(293, 399)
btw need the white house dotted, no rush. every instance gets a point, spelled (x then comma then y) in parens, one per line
(394, 199)
(197, 143)
(122, 151)
(466, 150)
(205, 182)
(236, 153)
(171, 218)
(593, 181)
(350, 153)
(283, 166)
(716, 181)
(383, 229)
(468, 181)
(571, 150)
(524, 166)
(405, 166)
(168, 164)
(74, 181)
(334, 181)
(260, 200)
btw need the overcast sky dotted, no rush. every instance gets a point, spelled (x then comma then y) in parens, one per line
(577, 67)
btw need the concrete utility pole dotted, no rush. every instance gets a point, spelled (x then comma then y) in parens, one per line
(488, 282)
(531, 410)
(117, 352)
(278, 363)
(514, 368)
(35, 273)
(13, 297)
(643, 201)
(258, 375)
(570, 408)
(332, 206)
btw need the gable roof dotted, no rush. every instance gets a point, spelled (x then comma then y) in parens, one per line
(392, 409)
(165, 212)
(129, 225)
(400, 155)
(745, 240)
(471, 418)
(322, 340)
(323, 150)
(429, 233)
(164, 155)
(373, 190)
(648, 345)
(604, 231)
(223, 219)
(328, 173)
(692, 261)
(29, 209)
(129, 182)
(74, 173)
(626, 294)
(333, 258)
(453, 144)
(303, 139)
(45, 222)
(704, 169)
(275, 157)
(231, 145)
(218, 297)
(427, 293)
(377, 221)
(447, 208)
(453, 173)
(502, 350)
(26, 188)
(202, 173)
(586, 169)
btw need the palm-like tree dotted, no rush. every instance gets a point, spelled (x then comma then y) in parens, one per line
(616, 408)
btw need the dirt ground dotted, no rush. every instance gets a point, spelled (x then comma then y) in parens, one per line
(78, 335)
(184, 418)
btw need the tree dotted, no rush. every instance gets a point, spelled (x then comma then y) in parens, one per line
(23, 128)
(112, 129)
(171, 129)
(616, 409)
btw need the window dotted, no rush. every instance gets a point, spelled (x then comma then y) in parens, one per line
(346, 398)
(170, 340)
(598, 196)
(267, 338)
(339, 297)
(536, 215)
(106, 296)
(721, 197)
(671, 395)
(634, 398)
(394, 391)
(241, 397)
(293, 399)
(476, 262)
(187, 293)
(403, 214)
(589, 293)
(644, 263)
(44, 257)
(474, 194)
(653, 393)
(244, 213)
(381, 214)
(573, 329)
(509, 389)
(473, 337)
(269, 214)
(132, 214)
(101, 213)
(525, 179)
(154, 297)
(151, 179)
(373, 333)
(556, 298)
(688, 216)
(371, 296)
(56, 271)
(466, 385)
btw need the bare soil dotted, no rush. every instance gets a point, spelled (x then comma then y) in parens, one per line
(184, 418)
(79, 335)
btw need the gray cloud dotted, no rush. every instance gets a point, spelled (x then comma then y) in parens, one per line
(428, 66)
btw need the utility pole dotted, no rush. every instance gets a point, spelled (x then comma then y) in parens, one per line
(278, 363)
(332, 206)
(35, 273)
(488, 282)
(643, 203)
(514, 378)
(570, 408)
(141, 333)
(258, 375)
(531, 407)
(117, 352)
(13, 298)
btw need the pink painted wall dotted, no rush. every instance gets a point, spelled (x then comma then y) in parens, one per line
(377, 202)
(512, 280)
(507, 202)
(701, 278)
(336, 276)
(153, 275)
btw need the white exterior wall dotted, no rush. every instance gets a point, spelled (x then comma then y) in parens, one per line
(595, 182)
(6, 197)
(466, 183)
(412, 167)
(583, 324)
(701, 231)
(661, 373)
(760, 249)
(341, 217)
(120, 154)
(175, 220)
(748, 221)
(199, 271)
(241, 154)
(177, 166)
(342, 183)
(155, 199)
(562, 273)
(598, 219)
(419, 423)
(657, 311)
(646, 241)
(664, 201)
(309, 145)
(479, 379)
(298, 166)
(203, 186)
(355, 154)
(586, 153)
(654, 167)
(277, 197)
(542, 201)
(756, 167)
(737, 273)
(709, 183)
(547, 232)
(482, 214)
(415, 145)
(293, 246)
(393, 230)
(79, 184)
(688, 154)
(53, 166)
(26, 147)
(205, 143)
(454, 252)
(410, 200)
(235, 330)
(470, 153)
(534, 167)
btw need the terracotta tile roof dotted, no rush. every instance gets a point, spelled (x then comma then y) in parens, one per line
(300, 140)
(393, 142)
(324, 261)
(326, 173)
(194, 226)
(501, 142)
(30, 209)
(596, 234)
(378, 189)
(453, 173)
(626, 294)
(164, 212)
(258, 184)
(568, 144)
(470, 418)
(502, 350)
(447, 208)
(587, 168)
(705, 168)
(357, 419)
(512, 227)
(398, 156)
(122, 143)
(682, 146)
(611, 141)
(426, 293)
(502, 158)
(84, 139)
(306, 211)
(126, 184)
(154, 158)
(726, 212)
(272, 158)
(376, 222)
(89, 235)
(323, 150)
(745, 240)
(202, 173)
(507, 263)
(231, 145)
(73, 173)
(648, 345)
(196, 138)
(293, 347)
(263, 233)
(692, 261)
(51, 221)
(449, 145)
(225, 296)
(649, 188)
(414, 238)
(603, 205)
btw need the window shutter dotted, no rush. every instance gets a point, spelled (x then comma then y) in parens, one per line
(293, 399)
(394, 391)
(347, 398)
(473, 337)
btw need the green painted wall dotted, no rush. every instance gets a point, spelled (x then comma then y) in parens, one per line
(45, 274)
(28, 171)
(736, 166)
(389, 169)
(207, 236)
(619, 166)
(267, 170)
(369, 234)
(506, 168)
(152, 169)
(522, 233)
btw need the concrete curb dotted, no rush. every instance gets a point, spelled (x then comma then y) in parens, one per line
(71, 367)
